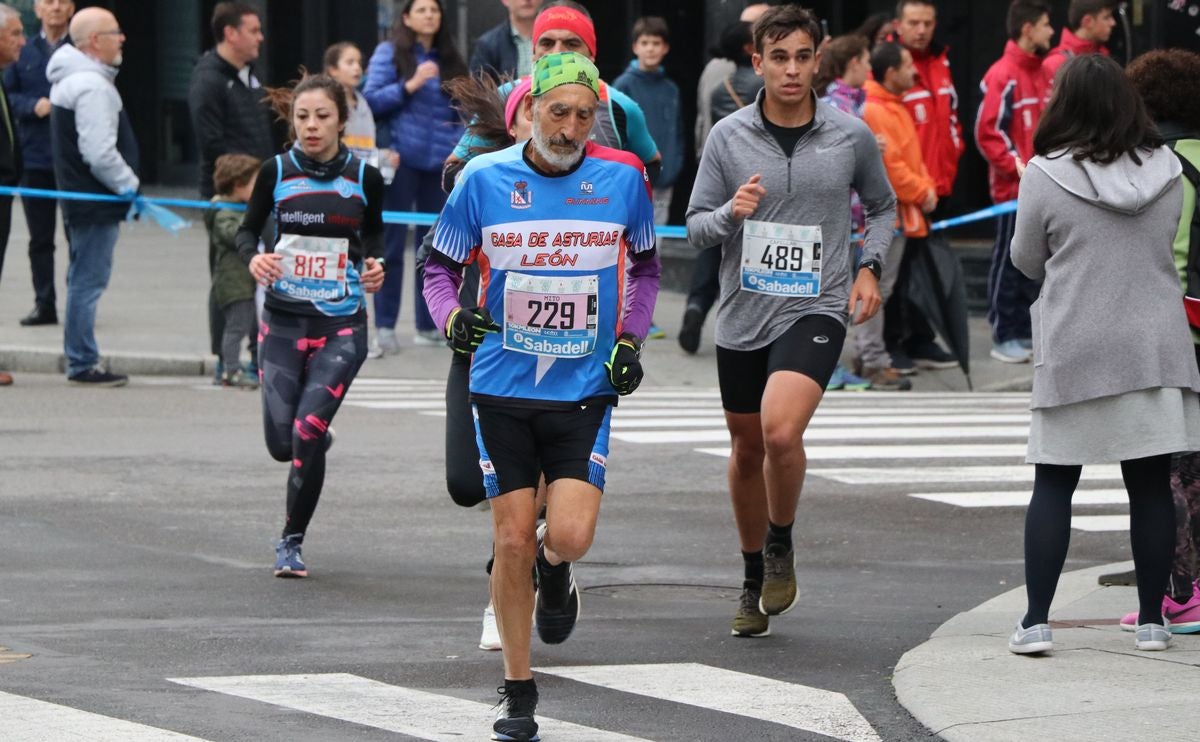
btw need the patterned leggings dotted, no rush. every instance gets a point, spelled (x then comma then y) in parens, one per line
(1185, 486)
(307, 365)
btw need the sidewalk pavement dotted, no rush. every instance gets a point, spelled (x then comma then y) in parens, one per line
(964, 684)
(153, 320)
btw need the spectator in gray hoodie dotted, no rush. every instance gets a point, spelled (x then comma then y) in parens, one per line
(1114, 376)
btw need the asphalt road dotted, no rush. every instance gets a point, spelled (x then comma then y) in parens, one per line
(136, 532)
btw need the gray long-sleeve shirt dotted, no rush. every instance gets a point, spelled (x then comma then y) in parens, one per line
(809, 188)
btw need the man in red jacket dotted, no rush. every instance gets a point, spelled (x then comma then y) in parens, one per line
(1014, 94)
(933, 103)
(1089, 25)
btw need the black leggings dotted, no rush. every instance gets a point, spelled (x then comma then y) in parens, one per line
(307, 366)
(1151, 533)
(464, 479)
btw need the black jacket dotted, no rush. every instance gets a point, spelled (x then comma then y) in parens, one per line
(495, 52)
(10, 146)
(227, 116)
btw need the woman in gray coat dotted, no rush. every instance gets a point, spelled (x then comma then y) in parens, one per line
(1114, 375)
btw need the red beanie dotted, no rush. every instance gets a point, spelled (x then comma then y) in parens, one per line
(560, 18)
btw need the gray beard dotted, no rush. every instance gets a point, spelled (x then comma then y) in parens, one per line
(546, 152)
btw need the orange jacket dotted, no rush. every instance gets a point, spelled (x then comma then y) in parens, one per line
(888, 117)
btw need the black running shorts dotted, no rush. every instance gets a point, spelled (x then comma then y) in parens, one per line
(812, 347)
(516, 444)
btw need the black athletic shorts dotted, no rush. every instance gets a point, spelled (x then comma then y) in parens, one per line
(516, 444)
(812, 347)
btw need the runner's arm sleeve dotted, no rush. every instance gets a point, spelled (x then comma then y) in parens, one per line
(443, 279)
(875, 192)
(1029, 249)
(372, 229)
(710, 210)
(644, 269)
(992, 127)
(262, 201)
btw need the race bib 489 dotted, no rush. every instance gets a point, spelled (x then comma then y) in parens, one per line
(781, 259)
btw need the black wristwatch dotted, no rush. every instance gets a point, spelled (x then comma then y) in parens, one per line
(872, 265)
(381, 263)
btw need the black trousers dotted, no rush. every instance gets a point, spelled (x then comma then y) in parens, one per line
(5, 226)
(706, 283)
(41, 216)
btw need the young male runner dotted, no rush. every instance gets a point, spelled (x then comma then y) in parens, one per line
(771, 190)
(563, 231)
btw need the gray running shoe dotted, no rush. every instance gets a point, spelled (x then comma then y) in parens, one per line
(1152, 637)
(779, 581)
(1036, 639)
(749, 621)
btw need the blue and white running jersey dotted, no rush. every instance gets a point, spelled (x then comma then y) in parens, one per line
(552, 254)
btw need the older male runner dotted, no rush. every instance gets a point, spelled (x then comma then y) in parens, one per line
(563, 231)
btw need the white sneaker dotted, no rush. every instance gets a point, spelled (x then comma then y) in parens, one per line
(1152, 637)
(1036, 639)
(490, 640)
(373, 349)
(386, 337)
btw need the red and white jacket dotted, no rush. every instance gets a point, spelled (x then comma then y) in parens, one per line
(933, 103)
(1014, 95)
(1069, 46)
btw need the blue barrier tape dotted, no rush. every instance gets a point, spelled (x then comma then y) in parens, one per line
(155, 208)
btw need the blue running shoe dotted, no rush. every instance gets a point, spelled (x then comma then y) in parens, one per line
(852, 382)
(287, 557)
(656, 332)
(838, 380)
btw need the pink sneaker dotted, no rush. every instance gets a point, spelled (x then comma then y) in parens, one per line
(1184, 617)
(1181, 618)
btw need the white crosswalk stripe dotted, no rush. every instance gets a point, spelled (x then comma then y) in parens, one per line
(446, 715)
(971, 444)
(30, 720)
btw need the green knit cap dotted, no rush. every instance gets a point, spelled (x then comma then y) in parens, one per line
(564, 68)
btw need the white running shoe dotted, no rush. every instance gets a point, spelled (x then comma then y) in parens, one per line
(1037, 639)
(490, 640)
(1152, 637)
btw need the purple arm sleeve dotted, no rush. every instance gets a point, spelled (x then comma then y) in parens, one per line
(441, 291)
(641, 294)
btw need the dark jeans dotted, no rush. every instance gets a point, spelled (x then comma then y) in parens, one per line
(424, 191)
(706, 283)
(41, 216)
(1010, 292)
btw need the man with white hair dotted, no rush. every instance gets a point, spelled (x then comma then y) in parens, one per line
(12, 38)
(95, 152)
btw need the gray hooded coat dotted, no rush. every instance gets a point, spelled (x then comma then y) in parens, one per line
(1110, 318)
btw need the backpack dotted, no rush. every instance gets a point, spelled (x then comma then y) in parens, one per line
(1191, 299)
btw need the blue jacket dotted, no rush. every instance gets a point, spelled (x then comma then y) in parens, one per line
(658, 97)
(25, 83)
(495, 53)
(422, 126)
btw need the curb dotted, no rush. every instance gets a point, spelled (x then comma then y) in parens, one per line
(965, 686)
(34, 360)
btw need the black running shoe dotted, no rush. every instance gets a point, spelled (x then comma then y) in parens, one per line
(514, 717)
(557, 606)
(98, 376)
(689, 333)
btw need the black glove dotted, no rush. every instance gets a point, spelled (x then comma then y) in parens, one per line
(467, 328)
(624, 365)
